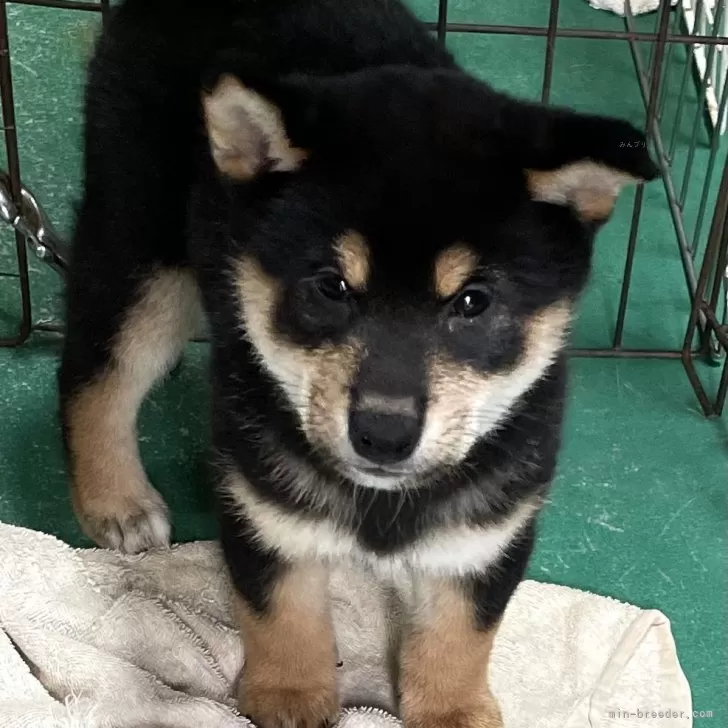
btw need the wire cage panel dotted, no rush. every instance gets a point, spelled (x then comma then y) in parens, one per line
(677, 60)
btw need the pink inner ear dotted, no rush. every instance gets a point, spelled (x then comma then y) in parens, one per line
(589, 187)
(246, 132)
(240, 157)
(594, 205)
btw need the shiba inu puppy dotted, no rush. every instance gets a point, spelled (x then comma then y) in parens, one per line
(388, 253)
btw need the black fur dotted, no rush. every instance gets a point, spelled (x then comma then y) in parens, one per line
(491, 593)
(253, 569)
(406, 149)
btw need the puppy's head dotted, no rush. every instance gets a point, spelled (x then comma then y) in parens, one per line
(409, 248)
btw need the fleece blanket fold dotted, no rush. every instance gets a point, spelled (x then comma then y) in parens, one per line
(94, 639)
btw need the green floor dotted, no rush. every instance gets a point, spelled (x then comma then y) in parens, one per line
(639, 508)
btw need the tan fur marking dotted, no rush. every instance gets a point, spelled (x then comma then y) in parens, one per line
(289, 676)
(332, 373)
(258, 296)
(113, 500)
(465, 403)
(317, 382)
(247, 132)
(444, 665)
(453, 267)
(591, 188)
(353, 254)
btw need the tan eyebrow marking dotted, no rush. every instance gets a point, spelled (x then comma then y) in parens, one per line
(453, 267)
(353, 253)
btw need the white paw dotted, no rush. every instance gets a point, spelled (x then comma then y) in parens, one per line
(129, 524)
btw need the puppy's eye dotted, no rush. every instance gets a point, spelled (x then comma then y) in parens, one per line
(331, 286)
(471, 302)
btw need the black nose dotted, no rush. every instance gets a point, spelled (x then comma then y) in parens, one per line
(381, 438)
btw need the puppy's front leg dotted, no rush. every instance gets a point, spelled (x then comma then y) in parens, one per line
(446, 651)
(282, 610)
(444, 663)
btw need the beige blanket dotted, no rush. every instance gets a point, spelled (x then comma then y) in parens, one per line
(92, 639)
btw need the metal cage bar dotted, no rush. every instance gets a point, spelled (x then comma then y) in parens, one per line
(11, 150)
(705, 279)
(714, 265)
(15, 194)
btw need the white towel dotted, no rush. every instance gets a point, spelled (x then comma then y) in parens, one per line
(638, 7)
(93, 639)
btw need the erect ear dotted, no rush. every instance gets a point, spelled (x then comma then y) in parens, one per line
(589, 187)
(246, 131)
(582, 161)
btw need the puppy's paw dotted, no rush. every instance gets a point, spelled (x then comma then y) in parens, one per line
(280, 707)
(487, 716)
(131, 521)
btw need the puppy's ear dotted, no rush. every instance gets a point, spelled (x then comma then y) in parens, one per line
(589, 187)
(579, 160)
(246, 132)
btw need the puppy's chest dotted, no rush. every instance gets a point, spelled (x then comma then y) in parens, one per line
(458, 549)
(446, 551)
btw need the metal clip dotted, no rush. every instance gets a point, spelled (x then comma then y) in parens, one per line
(33, 224)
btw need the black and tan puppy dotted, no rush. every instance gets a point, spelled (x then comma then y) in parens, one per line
(388, 253)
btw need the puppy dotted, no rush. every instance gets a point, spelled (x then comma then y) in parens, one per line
(388, 253)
